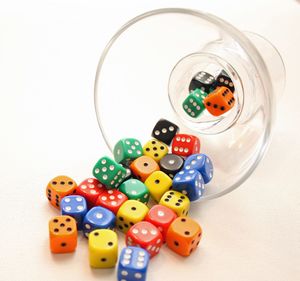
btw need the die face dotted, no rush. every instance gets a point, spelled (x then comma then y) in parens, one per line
(193, 104)
(143, 167)
(155, 149)
(204, 81)
(146, 235)
(98, 218)
(171, 164)
(59, 187)
(184, 236)
(189, 182)
(62, 234)
(136, 190)
(185, 145)
(223, 79)
(126, 150)
(109, 172)
(111, 200)
(74, 206)
(176, 201)
(162, 217)
(133, 264)
(103, 248)
(130, 213)
(158, 183)
(202, 163)
(165, 131)
(90, 189)
(219, 101)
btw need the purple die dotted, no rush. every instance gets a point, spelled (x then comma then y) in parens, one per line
(190, 183)
(202, 163)
(74, 206)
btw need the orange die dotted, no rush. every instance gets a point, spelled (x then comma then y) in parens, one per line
(143, 167)
(219, 101)
(183, 236)
(58, 188)
(62, 234)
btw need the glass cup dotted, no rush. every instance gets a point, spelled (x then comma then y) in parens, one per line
(144, 75)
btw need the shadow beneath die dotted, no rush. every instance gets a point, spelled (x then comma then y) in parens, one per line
(105, 273)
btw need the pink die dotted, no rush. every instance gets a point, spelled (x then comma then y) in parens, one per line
(145, 235)
(185, 145)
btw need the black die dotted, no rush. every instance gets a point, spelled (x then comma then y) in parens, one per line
(165, 131)
(171, 164)
(204, 81)
(224, 80)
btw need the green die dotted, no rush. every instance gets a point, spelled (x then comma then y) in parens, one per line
(109, 172)
(135, 190)
(126, 150)
(193, 104)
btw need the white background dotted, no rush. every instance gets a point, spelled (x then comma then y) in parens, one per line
(49, 51)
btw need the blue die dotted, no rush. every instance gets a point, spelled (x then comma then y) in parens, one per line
(133, 264)
(189, 183)
(98, 218)
(74, 206)
(202, 163)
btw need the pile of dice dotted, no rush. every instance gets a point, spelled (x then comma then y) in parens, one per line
(118, 198)
(215, 94)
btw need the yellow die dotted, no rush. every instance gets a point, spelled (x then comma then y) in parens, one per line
(103, 248)
(155, 149)
(130, 213)
(158, 184)
(176, 201)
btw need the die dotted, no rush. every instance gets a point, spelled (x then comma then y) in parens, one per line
(133, 264)
(143, 167)
(202, 163)
(62, 234)
(162, 217)
(74, 206)
(98, 218)
(112, 200)
(158, 183)
(155, 149)
(136, 190)
(190, 183)
(219, 101)
(203, 81)
(130, 213)
(185, 145)
(193, 104)
(145, 235)
(183, 236)
(103, 248)
(58, 188)
(90, 189)
(171, 164)
(109, 172)
(223, 79)
(165, 131)
(126, 150)
(176, 201)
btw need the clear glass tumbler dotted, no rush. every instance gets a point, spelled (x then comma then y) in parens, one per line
(145, 71)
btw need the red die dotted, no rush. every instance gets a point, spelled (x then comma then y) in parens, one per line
(111, 199)
(145, 235)
(162, 217)
(185, 145)
(90, 189)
